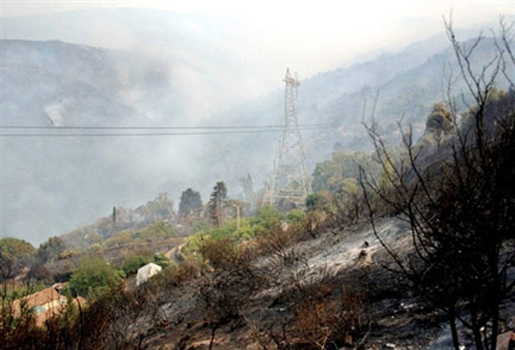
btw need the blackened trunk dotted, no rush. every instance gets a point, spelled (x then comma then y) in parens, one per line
(454, 331)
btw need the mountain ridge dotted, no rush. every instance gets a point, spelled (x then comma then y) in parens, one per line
(163, 165)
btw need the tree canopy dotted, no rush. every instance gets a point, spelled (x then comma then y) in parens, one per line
(218, 198)
(14, 248)
(330, 175)
(94, 278)
(190, 203)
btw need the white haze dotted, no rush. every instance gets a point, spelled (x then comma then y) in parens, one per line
(217, 55)
(310, 36)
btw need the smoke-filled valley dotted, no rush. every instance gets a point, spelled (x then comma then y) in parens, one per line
(52, 185)
(238, 179)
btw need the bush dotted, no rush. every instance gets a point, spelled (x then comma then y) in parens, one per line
(155, 231)
(94, 278)
(219, 253)
(131, 265)
(268, 217)
(295, 215)
(162, 260)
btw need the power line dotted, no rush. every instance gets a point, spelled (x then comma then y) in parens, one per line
(221, 127)
(223, 132)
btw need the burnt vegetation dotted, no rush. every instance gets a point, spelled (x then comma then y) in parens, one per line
(459, 201)
(440, 212)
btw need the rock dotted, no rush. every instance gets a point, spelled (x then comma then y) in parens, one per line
(147, 271)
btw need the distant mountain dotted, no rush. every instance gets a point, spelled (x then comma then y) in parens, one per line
(204, 57)
(52, 184)
(120, 77)
(178, 70)
(406, 84)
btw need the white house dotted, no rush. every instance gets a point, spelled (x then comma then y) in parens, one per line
(147, 271)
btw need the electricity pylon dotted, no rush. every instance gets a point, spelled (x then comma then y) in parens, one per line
(289, 180)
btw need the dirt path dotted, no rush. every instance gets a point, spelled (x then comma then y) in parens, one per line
(175, 254)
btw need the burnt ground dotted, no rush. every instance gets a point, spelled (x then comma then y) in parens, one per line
(226, 311)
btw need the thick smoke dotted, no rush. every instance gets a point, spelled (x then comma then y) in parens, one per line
(148, 68)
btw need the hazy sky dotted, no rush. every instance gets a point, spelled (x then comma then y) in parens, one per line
(310, 29)
(320, 12)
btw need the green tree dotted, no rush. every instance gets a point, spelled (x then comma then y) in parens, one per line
(268, 216)
(247, 184)
(50, 249)
(440, 119)
(14, 253)
(216, 203)
(15, 248)
(190, 203)
(94, 278)
(160, 208)
(319, 201)
(330, 175)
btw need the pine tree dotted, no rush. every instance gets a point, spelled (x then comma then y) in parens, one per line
(218, 199)
(191, 203)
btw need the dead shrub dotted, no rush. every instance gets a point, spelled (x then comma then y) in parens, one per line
(346, 211)
(124, 318)
(279, 246)
(311, 226)
(226, 291)
(171, 277)
(219, 253)
(322, 317)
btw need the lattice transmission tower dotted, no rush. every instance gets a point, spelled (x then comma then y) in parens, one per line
(289, 180)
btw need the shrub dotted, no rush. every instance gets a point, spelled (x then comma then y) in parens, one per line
(268, 217)
(219, 253)
(322, 318)
(295, 215)
(131, 265)
(94, 278)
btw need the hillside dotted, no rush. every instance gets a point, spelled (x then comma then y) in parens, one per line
(140, 82)
(135, 150)
(202, 57)
(407, 263)
(406, 84)
(55, 83)
(70, 181)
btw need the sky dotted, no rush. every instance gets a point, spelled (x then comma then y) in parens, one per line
(331, 29)
(286, 11)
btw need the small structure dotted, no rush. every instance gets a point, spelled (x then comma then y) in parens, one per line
(147, 271)
(45, 304)
(506, 341)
